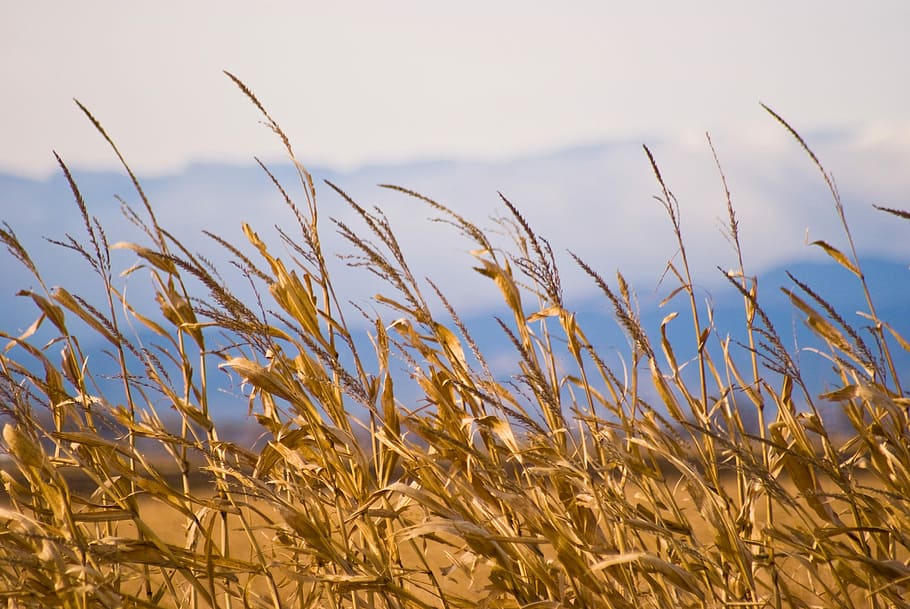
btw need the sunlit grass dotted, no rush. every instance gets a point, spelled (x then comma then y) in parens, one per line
(573, 483)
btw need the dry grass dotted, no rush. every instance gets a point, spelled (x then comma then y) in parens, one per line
(572, 484)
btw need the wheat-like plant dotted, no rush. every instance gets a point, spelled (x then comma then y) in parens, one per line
(570, 484)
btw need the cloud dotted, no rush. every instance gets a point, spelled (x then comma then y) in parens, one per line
(404, 80)
(596, 201)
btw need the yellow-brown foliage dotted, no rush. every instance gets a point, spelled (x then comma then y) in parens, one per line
(571, 485)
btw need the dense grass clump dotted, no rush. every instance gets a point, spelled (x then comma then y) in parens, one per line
(571, 484)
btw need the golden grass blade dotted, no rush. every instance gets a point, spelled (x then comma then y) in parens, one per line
(62, 296)
(838, 257)
(678, 576)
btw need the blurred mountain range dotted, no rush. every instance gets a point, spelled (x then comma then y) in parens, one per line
(597, 201)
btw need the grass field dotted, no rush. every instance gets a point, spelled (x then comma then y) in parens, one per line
(571, 484)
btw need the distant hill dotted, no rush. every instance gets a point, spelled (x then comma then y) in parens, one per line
(595, 200)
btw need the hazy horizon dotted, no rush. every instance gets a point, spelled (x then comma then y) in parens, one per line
(548, 105)
(364, 84)
(595, 200)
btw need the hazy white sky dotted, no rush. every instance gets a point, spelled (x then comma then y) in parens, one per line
(385, 81)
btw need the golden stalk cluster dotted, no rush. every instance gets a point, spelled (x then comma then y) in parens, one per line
(570, 484)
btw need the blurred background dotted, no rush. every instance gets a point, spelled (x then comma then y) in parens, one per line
(548, 104)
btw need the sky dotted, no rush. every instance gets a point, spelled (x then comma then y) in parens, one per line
(368, 82)
(548, 103)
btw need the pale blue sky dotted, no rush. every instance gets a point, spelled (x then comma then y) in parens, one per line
(379, 82)
(481, 82)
